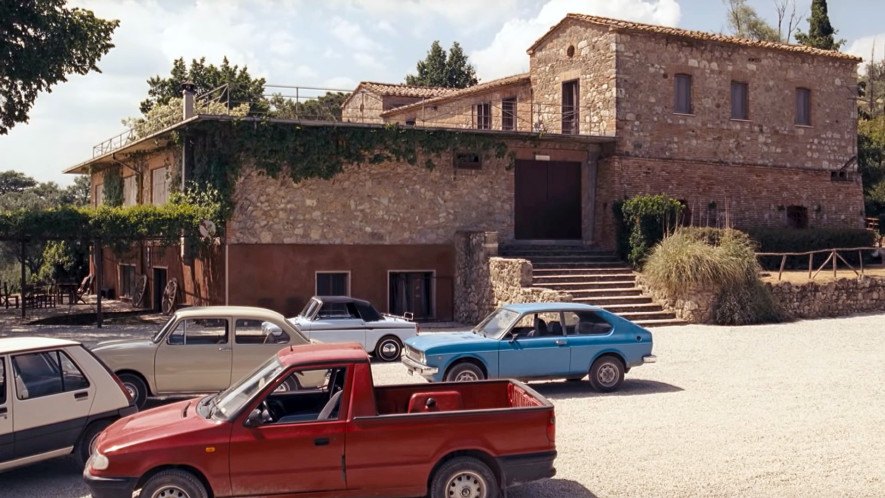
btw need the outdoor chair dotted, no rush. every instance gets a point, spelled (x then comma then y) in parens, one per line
(85, 285)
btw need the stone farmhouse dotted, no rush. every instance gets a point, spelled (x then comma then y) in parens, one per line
(745, 133)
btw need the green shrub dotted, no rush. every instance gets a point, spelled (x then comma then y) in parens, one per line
(647, 218)
(722, 260)
(809, 239)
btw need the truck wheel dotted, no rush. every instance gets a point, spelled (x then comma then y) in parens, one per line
(137, 388)
(388, 348)
(606, 374)
(86, 443)
(173, 483)
(464, 372)
(464, 477)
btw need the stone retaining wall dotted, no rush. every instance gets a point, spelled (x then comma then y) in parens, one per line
(838, 298)
(692, 305)
(484, 281)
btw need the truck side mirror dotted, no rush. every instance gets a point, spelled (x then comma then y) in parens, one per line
(254, 419)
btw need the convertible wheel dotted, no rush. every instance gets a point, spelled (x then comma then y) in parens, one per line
(464, 477)
(388, 348)
(138, 390)
(174, 484)
(606, 374)
(464, 372)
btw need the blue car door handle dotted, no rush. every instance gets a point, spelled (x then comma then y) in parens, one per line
(561, 342)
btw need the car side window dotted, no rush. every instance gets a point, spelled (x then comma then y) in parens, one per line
(534, 325)
(2, 380)
(306, 396)
(585, 323)
(47, 373)
(259, 332)
(337, 311)
(199, 331)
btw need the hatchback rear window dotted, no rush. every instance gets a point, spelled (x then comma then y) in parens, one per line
(46, 373)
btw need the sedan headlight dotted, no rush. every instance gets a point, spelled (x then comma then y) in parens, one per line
(99, 461)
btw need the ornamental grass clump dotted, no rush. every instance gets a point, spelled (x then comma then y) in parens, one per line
(720, 261)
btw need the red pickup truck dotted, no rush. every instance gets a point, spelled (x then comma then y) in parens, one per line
(334, 434)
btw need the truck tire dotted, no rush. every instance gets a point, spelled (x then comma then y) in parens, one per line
(464, 477)
(136, 387)
(87, 440)
(606, 374)
(388, 348)
(464, 372)
(173, 483)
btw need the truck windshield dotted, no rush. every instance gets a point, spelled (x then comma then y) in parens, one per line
(231, 401)
(497, 323)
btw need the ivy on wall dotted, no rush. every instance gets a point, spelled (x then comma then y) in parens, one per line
(112, 188)
(221, 150)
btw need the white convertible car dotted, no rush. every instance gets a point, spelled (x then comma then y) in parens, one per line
(345, 319)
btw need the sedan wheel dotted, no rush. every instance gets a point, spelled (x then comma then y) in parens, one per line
(607, 374)
(174, 484)
(464, 372)
(388, 348)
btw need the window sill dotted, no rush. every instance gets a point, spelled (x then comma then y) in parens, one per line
(740, 120)
(802, 126)
(684, 114)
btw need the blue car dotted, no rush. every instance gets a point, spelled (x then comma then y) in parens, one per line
(535, 341)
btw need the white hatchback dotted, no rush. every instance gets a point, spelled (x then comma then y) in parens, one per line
(55, 398)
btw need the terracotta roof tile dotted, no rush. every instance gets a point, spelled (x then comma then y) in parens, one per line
(400, 90)
(618, 24)
(462, 92)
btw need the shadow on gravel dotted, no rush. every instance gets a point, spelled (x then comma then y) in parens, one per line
(552, 488)
(135, 317)
(630, 387)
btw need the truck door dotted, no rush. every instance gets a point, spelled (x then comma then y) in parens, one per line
(299, 447)
(5, 415)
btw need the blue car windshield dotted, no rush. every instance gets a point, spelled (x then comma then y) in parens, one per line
(497, 323)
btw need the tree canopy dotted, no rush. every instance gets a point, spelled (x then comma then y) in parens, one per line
(323, 108)
(242, 87)
(41, 42)
(448, 71)
(820, 32)
(744, 22)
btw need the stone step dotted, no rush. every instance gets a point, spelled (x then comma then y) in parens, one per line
(575, 265)
(592, 272)
(590, 260)
(589, 280)
(544, 271)
(665, 322)
(604, 285)
(635, 316)
(549, 249)
(649, 307)
(606, 301)
(593, 290)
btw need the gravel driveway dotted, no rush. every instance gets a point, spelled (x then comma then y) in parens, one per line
(795, 409)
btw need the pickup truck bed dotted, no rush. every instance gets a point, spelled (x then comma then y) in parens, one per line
(425, 398)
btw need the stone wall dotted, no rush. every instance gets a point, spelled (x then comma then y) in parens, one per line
(647, 125)
(484, 281)
(837, 298)
(692, 305)
(366, 107)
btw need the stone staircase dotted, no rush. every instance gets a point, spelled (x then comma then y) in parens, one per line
(593, 277)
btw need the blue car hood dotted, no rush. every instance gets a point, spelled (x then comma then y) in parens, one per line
(439, 342)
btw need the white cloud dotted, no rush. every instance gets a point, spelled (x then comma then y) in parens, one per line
(351, 34)
(421, 15)
(506, 53)
(867, 47)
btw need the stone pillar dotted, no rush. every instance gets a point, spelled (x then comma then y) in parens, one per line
(473, 288)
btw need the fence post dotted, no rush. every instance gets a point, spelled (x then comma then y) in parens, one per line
(834, 264)
(783, 262)
(810, 267)
(860, 260)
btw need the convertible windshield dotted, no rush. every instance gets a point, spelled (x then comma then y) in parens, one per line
(496, 323)
(310, 309)
(231, 400)
(156, 337)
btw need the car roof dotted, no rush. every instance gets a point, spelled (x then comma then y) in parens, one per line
(18, 344)
(236, 311)
(341, 299)
(323, 352)
(549, 307)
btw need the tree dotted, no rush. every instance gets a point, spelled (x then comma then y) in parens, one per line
(437, 69)
(323, 108)
(41, 42)
(820, 31)
(80, 192)
(744, 22)
(241, 87)
(786, 13)
(15, 181)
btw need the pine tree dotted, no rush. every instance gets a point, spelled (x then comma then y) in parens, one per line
(437, 69)
(459, 72)
(820, 31)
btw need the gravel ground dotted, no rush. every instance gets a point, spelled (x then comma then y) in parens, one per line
(794, 409)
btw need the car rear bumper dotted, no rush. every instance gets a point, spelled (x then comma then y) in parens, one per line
(416, 368)
(649, 358)
(109, 487)
(524, 468)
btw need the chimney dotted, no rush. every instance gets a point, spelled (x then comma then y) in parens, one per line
(187, 97)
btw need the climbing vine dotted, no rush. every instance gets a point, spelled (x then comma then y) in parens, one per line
(221, 149)
(112, 189)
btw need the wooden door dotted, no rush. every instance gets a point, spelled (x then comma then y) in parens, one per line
(548, 200)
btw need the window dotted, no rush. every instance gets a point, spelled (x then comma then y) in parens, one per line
(411, 292)
(127, 280)
(740, 100)
(316, 398)
(585, 322)
(159, 186)
(508, 114)
(483, 114)
(200, 331)
(797, 217)
(803, 106)
(570, 99)
(2, 381)
(99, 194)
(682, 104)
(535, 325)
(338, 311)
(47, 373)
(130, 191)
(259, 332)
(333, 283)
(468, 160)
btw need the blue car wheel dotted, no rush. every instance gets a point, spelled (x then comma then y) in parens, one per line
(464, 372)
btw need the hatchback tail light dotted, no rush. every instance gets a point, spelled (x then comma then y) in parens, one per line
(123, 388)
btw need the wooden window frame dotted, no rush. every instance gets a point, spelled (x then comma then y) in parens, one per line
(508, 116)
(689, 98)
(482, 116)
(800, 101)
(316, 280)
(743, 104)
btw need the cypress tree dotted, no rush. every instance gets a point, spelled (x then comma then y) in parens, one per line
(820, 31)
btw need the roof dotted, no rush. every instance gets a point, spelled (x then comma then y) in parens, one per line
(621, 25)
(463, 92)
(341, 299)
(238, 311)
(323, 353)
(398, 90)
(549, 307)
(18, 344)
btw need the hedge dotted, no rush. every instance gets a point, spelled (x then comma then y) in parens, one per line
(809, 239)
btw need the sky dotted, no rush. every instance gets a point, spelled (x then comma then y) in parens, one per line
(332, 44)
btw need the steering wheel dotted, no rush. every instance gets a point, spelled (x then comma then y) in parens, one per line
(267, 413)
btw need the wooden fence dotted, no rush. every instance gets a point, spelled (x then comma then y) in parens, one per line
(833, 258)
